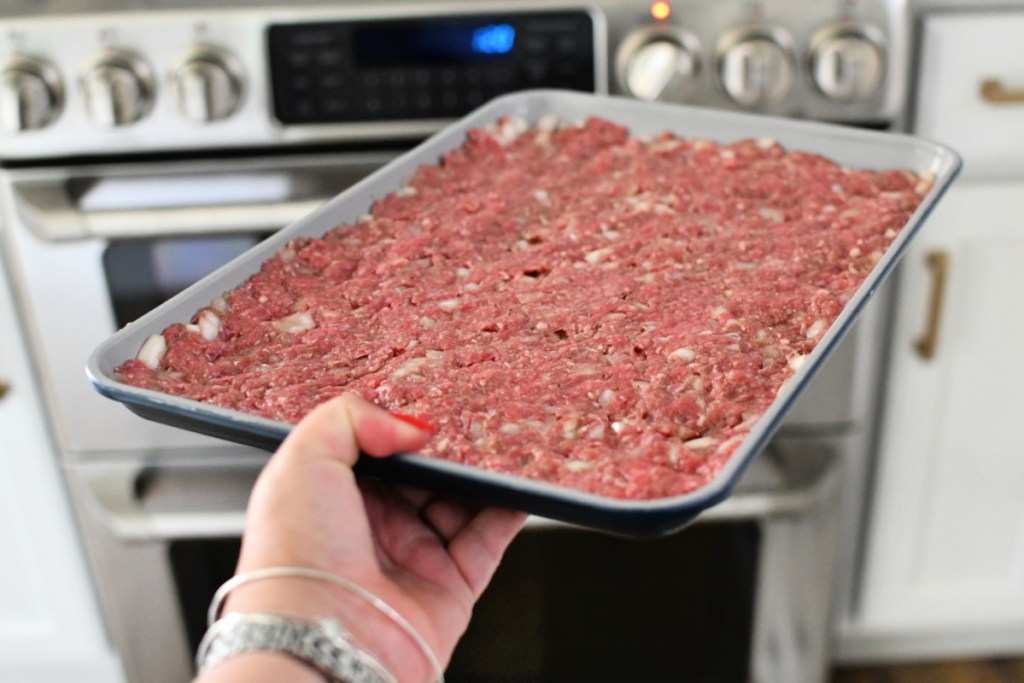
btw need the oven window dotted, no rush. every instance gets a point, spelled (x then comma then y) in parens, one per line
(572, 606)
(142, 274)
(568, 606)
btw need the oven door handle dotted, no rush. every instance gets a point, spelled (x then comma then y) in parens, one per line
(50, 213)
(789, 480)
(159, 504)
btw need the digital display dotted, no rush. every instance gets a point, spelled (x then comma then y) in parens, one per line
(416, 44)
(424, 67)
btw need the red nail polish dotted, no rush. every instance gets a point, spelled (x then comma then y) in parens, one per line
(414, 421)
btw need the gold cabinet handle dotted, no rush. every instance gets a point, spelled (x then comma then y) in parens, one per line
(4, 388)
(938, 264)
(994, 92)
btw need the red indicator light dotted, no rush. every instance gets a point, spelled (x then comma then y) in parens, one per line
(661, 10)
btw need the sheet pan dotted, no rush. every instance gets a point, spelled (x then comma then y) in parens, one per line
(848, 146)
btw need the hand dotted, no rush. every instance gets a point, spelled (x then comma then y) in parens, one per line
(429, 557)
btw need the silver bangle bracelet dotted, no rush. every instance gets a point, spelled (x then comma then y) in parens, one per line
(322, 644)
(320, 575)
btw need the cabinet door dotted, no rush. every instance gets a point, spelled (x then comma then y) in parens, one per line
(945, 561)
(50, 628)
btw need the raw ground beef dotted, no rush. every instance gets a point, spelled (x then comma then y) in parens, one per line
(564, 302)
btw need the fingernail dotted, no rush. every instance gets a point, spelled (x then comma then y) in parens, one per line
(414, 421)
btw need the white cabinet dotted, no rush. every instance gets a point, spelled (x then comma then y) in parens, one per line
(50, 627)
(944, 572)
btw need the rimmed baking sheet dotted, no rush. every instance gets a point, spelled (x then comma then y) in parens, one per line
(848, 146)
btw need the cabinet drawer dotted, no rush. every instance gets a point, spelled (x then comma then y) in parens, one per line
(959, 54)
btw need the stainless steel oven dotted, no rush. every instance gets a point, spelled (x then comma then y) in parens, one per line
(143, 144)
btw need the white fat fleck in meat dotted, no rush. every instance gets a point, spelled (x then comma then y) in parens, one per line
(449, 305)
(596, 256)
(606, 397)
(506, 132)
(549, 123)
(295, 323)
(579, 465)
(666, 145)
(570, 425)
(797, 362)
(816, 328)
(192, 328)
(408, 367)
(365, 218)
(597, 431)
(209, 325)
(541, 196)
(674, 454)
(770, 214)
(287, 255)
(152, 351)
(510, 428)
(406, 191)
(854, 252)
(684, 354)
(701, 442)
(925, 184)
(220, 304)
(729, 443)
(766, 143)
(748, 422)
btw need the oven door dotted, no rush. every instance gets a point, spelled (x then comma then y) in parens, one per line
(92, 248)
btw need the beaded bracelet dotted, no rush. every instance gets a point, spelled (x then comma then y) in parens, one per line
(318, 574)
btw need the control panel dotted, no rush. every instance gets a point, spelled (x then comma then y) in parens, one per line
(94, 80)
(429, 67)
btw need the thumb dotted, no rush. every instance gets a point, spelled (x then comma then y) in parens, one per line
(342, 427)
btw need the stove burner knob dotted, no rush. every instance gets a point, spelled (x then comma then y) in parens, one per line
(31, 94)
(755, 65)
(118, 88)
(659, 63)
(846, 60)
(207, 84)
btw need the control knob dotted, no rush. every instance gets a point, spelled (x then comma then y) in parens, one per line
(659, 63)
(207, 84)
(846, 60)
(755, 65)
(118, 88)
(30, 94)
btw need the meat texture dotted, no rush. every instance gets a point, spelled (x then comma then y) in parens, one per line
(564, 302)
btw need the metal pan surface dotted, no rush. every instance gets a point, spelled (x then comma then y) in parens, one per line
(848, 146)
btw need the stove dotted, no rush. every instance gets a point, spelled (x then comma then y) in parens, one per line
(86, 78)
(144, 143)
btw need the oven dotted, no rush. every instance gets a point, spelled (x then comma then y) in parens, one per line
(142, 147)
